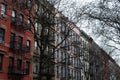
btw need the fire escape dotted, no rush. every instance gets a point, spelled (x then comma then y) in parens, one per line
(16, 70)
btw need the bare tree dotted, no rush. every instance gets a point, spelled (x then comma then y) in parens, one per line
(104, 19)
(43, 23)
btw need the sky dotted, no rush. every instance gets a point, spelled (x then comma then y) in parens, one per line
(82, 2)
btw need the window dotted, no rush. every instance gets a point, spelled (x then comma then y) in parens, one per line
(19, 64)
(28, 24)
(36, 8)
(14, 13)
(13, 16)
(36, 27)
(28, 46)
(2, 32)
(21, 18)
(20, 40)
(1, 61)
(11, 63)
(35, 45)
(27, 67)
(29, 4)
(12, 40)
(3, 10)
(35, 67)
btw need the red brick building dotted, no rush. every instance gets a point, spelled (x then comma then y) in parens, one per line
(16, 40)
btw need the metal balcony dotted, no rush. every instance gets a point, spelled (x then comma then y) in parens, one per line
(20, 24)
(15, 47)
(12, 70)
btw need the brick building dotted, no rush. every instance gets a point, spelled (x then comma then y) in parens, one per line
(16, 40)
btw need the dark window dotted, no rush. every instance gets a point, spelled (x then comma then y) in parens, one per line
(1, 61)
(35, 67)
(3, 10)
(12, 40)
(27, 67)
(20, 40)
(11, 61)
(21, 18)
(28, 46)
(11, 64)
(19, 65)
(2, 32)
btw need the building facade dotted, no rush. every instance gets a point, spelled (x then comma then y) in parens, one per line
(16, 40)
(72, 55)
(44, 48)
(65, 52)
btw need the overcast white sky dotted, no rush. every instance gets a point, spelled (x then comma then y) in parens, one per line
(82, 2)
